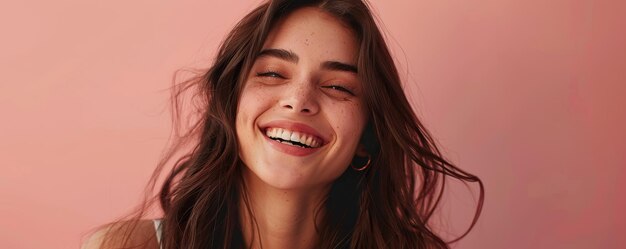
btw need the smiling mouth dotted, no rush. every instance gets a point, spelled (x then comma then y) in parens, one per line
(293, 138)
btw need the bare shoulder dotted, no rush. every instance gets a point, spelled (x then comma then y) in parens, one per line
(142, 236)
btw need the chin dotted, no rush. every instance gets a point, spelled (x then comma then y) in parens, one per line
(284, 178)
(281, 177)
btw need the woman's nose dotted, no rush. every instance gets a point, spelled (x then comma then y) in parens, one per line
(300, 98)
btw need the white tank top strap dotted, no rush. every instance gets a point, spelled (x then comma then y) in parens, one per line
(158, 229)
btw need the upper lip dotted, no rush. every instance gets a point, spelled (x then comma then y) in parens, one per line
(293, 126)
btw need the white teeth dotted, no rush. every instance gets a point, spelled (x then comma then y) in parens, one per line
(288, 135)
(302, 138)
(295, 137)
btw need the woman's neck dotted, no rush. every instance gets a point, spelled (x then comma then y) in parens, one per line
(282, 218)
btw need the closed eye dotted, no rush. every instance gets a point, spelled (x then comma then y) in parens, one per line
(339, 88)
(270, 74)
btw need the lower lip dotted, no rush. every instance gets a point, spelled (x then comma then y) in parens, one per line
(290, 149)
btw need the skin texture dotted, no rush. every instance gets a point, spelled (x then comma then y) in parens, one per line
(284, 190)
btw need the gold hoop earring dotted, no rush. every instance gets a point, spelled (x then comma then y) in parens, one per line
(369, 159)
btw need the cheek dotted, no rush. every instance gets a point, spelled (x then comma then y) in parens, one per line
(247, 110)
(350, 122)
(253, 102)
(244, 117)
(250, 102)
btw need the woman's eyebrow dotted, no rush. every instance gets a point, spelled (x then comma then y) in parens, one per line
(280, 54)
(293, 58)
(339, 66)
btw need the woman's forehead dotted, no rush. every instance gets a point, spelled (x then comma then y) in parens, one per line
(314, 34)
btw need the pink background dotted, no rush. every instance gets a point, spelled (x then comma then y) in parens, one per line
(528, 95)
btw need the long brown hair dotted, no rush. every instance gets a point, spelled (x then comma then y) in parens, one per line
(389, 205)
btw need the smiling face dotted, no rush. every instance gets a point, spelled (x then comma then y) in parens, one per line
(301, 111)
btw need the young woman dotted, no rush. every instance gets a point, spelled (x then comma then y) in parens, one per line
(305, 140)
